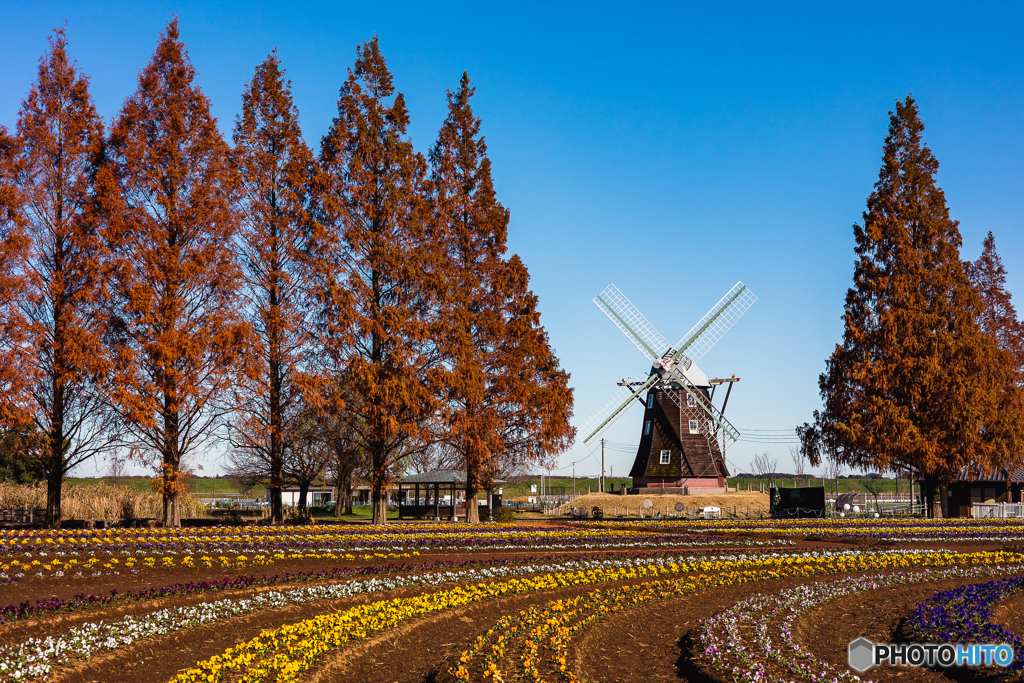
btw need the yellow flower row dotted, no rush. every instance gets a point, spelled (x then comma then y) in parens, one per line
(833, 526)
(287, 651)
(449, 531)
(223, 562)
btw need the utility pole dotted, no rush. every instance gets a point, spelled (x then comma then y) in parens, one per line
(602, 465)
(574, 480)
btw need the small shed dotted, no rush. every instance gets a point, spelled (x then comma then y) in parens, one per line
(435, 494)
(315, 495)
(975, 485)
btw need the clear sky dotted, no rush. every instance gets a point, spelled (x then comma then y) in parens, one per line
(671, 148)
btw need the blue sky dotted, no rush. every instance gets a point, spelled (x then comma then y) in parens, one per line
(672, 149)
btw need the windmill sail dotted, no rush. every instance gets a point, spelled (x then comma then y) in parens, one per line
(713, 326)
(632, 322)
(614, 407)
(694, 344)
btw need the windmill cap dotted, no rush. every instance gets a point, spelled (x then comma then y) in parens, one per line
(686, 367)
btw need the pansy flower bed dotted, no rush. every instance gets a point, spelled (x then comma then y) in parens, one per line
(537, 593)
(961, 615)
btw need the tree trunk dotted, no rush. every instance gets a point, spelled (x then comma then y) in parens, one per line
(303, 490)
(54, 479)
(171, 463)
(338, 492)
(472, 511)
(172, 515)
(348, 493)
(380, 507)
(343, 485)
(276, 502)
(378, 484)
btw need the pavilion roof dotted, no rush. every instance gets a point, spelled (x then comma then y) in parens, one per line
(439, 477)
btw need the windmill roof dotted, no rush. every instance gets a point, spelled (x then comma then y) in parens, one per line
(687, 369)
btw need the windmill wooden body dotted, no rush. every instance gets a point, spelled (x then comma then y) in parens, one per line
(683, 435)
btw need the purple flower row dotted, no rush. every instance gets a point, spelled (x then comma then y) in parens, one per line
(961, 615)
(84, 601)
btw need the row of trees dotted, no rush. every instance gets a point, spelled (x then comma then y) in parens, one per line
(163, 288)
(929, 376)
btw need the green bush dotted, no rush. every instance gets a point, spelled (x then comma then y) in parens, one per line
(503, 515)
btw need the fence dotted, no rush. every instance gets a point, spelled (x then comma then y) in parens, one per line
(894, 508)
(997, 510)
(659, 512)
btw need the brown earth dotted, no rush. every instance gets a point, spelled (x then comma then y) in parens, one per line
(665, 503)
(650, 642)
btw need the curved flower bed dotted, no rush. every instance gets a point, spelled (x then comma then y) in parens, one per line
(283, 654)
(551, 627)
(25, 610)
(35, 658)
(80, 554)
(907, 531)
(961, 615)
(269, 540)
(763, 658)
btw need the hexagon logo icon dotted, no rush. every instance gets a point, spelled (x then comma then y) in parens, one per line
(861, 654)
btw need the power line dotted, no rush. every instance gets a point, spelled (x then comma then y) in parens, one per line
(787, 431)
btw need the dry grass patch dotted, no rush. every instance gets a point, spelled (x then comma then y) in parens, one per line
(665, 503)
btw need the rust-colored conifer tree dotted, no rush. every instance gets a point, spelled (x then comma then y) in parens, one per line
(999, 320)
(14, 400)
(176, 322)
(275, 167)
(909, 386)
(369, 261)
(503, 390)
(65, 359)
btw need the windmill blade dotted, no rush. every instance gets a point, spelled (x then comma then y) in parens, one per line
(614, 407)
(632, 322)
(715, 324)
(729, 433)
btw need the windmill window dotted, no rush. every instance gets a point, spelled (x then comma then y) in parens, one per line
(694, 428)
(647, 428)
(650, 400)
(666, 457)
(691, 401)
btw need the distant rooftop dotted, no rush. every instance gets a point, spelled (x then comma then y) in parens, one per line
(439, 477)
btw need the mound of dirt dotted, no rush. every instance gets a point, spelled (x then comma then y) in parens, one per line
(666, 503)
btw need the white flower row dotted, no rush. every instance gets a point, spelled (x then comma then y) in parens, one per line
(726, 649)
(34, 658)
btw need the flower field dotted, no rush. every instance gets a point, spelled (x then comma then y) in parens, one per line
(658, 600)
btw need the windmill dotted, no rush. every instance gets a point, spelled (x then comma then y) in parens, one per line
(684, 436)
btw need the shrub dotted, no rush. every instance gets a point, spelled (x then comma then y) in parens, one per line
(503, 515)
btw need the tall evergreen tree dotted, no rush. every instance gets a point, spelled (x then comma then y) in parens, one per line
(502, 386)
(998, 318)
(275, 167)
(998, 315)
(370, 262)
(65, 359)
(15, 414)
(908, 385)
(176, 321)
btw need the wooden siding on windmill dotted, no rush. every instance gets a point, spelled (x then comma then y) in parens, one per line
(692, 455)
(664, 435)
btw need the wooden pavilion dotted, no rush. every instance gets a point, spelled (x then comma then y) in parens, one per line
(435, 494)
